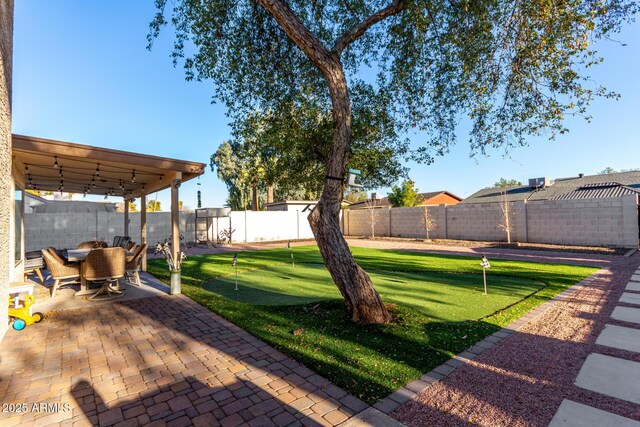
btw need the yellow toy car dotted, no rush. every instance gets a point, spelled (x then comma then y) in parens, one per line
(21, 313)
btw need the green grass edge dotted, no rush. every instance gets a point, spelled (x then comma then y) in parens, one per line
(445, 339)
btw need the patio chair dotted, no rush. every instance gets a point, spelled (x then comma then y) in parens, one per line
(105, 266)
(93, 244)
(33, 263)
(62, 254)
(121, 241)
(60, 270)
(132, 268)
(130, 246)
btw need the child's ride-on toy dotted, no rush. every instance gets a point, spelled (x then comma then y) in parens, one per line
(22, 314)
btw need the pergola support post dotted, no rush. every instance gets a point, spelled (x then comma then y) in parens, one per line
(143, 228)
(175, 231)
(126, 217)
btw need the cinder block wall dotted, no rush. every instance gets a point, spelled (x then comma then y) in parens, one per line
(68, 230)
(409, 222)
(6, 183)
(590, 222)
(359, 222)
(480, 221)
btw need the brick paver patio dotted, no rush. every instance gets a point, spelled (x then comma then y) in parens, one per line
(162, 359)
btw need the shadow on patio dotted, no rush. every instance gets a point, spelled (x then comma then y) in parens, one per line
(161, 358)
(65, 299)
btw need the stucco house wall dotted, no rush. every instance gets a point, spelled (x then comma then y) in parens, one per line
(6, 181)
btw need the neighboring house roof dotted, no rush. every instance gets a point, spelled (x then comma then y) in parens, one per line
(384, 201)
(594, 191)
(432, 194)
(561, 188)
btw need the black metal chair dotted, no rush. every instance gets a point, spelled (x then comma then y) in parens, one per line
(121, 241)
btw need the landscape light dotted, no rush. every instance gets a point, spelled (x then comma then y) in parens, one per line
(485, 264)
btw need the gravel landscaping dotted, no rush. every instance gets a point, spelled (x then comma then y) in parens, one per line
(522, 381)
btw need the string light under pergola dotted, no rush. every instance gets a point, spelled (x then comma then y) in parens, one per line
(100, 179)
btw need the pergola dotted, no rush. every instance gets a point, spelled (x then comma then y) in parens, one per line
(49, 165)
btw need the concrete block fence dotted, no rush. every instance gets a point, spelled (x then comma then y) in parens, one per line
(588, 222)
(67, 230)
(591, 222)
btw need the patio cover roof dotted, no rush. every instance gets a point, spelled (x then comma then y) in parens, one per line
(50, 165)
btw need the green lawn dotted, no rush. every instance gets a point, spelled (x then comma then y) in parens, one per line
(439, 296)
(440, 310)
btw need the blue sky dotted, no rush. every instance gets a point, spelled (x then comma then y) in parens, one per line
(82, 74)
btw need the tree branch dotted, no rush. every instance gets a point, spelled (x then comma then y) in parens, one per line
(349, 37)
(299, 34)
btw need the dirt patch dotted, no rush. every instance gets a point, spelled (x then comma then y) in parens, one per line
(504, 245)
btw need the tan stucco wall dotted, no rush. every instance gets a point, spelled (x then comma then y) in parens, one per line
(6, 183)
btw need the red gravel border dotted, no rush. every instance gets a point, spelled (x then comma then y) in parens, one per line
(522, 381)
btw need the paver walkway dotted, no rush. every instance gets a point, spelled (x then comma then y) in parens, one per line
(617, 377)
(529, 375)
(164, 359)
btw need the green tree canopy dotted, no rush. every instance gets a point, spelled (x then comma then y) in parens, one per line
(405, 195)
(286, 149)
(231, 170)
(609, 170)
(355, 195)
(503, 182)
(606, 171)
(153, 206)
(515, 69)
(39, 193)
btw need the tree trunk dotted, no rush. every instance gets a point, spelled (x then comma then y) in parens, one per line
(254, 196)
(270, 194)
(362, 300)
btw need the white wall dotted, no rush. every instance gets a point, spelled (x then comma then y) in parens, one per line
(68, 230)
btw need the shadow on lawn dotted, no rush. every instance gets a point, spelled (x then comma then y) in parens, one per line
(255, 296)
(419, 287)
(421, 346)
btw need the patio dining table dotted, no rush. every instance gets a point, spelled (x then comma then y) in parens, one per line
(80, 255)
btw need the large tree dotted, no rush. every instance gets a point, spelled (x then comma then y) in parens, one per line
(283, 152)
(405, 195)
(515, 68)
(503, 182)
